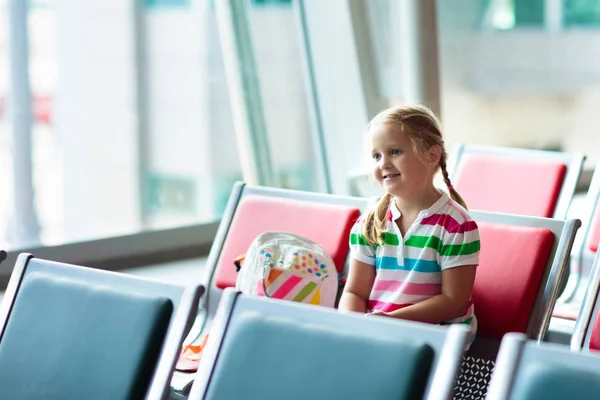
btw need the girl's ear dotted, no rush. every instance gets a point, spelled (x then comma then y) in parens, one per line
(433, 155)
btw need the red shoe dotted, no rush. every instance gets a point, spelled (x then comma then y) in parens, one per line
(190, 356)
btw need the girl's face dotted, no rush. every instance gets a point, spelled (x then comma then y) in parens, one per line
(396, 167)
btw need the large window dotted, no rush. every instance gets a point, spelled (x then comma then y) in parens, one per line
(275, 39)
(532, 87)
(132, 126)
(133, 109)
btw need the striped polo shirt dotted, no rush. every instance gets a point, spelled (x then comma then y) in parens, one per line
(409, 270)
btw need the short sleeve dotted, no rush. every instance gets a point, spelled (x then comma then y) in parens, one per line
(359, 248)
(460, 247)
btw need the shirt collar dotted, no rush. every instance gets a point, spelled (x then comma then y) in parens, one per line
(394, 209)
(444, 198)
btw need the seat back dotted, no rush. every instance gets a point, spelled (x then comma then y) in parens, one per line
(319, 353)
(592, 222)
(517, 181)
(75, 332)
(251, 210)
(594, 237)
(530, 371)
(327, 224)
(521, 263)
(509, 275)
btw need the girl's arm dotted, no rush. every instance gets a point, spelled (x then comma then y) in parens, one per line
(358, 287)
(457, 285)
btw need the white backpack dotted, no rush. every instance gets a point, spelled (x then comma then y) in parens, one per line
(287, 266)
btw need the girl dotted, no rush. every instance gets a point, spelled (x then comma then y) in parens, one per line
(414, 254)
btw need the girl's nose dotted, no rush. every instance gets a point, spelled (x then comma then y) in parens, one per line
(384, 162)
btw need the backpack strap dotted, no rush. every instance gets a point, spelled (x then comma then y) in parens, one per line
(341, 280)
(238, 262)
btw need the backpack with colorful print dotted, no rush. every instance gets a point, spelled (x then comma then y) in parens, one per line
(289, 267)
(281, 266)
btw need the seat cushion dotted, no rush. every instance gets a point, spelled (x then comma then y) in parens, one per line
(594, 231)
(511, 265)
(68, 339)
(568, 311)
(267, 357)
(510, 185)
(326, 224)
(543, 381)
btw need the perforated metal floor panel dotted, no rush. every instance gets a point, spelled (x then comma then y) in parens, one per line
(474, 378)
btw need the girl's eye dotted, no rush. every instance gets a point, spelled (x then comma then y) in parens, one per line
(376, 156)
(395, 152)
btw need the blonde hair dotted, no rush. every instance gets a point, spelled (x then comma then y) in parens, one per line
(423, 129)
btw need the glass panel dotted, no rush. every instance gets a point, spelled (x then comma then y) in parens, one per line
(271, 2)
(509, 14)
(529, 13)
(582, 13)
(279, 63)
(5, 159)
(192, 159)
(132, 127)
(46, 158)
(499, 14)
